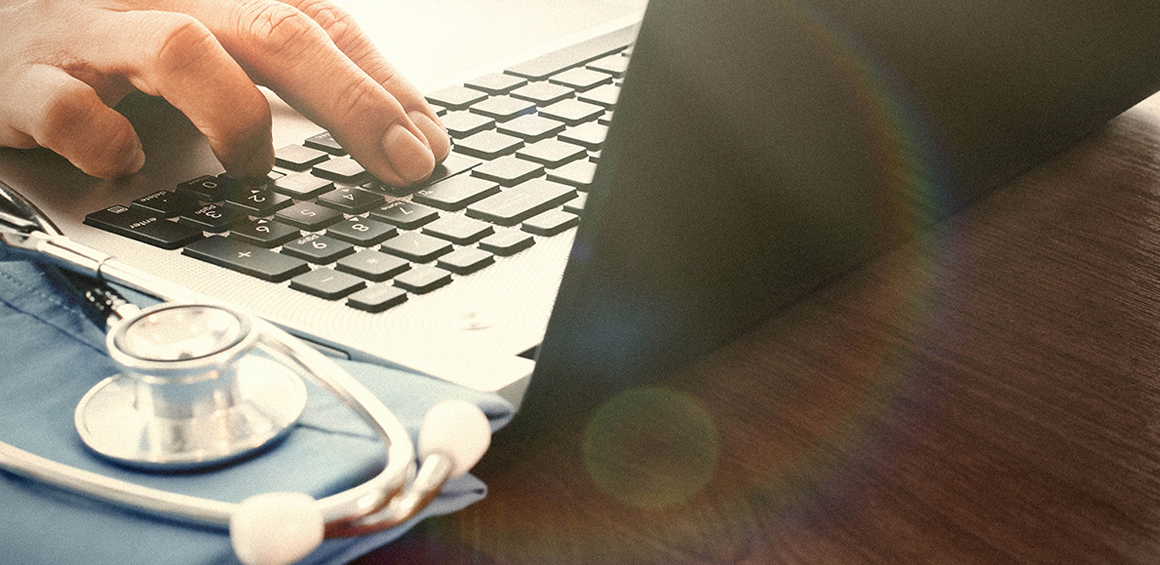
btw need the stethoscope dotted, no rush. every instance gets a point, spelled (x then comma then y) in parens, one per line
(205, 384)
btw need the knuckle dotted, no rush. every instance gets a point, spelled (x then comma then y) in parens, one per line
(60, 112)
(71, 123)
(179, 41)
(350, 100)
(339, 25)
(277, 28)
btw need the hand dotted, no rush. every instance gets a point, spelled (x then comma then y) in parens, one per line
(64, 64)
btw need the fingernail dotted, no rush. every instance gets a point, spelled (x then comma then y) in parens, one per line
(409, 157)
(435, 133)
(259, 162)
(135, 162)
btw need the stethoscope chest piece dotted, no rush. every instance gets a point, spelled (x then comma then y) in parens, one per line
(192, 393)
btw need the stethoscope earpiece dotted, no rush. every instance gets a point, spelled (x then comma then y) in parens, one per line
(276, 528)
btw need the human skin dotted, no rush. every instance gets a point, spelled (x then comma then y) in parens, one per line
(64, 64)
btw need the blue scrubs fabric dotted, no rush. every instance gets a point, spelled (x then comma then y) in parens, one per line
(52, 354)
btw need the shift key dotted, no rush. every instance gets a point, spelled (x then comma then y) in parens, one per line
(521, 202)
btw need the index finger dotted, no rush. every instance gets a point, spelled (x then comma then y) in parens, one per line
(291, 53)
(350, 39)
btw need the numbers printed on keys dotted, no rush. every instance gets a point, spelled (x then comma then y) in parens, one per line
(351, 200)
(309, 216)
(258, 201)
(318, 249)
(264, 233)
(360, 231)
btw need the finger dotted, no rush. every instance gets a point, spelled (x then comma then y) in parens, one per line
(358, 47)
(179, 59)
(292, 54)
(66, 115)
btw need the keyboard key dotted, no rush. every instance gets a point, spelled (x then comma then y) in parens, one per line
(318, 249)
(325, 142)
(406, 215)
(206, 188)
(506, 242)
(456, 192)
(302, 186)
(552, 152)
(589, 136)
(134, 224)
(416, 247)
(531, 128)
(580, 79)
(508, 171)
(327, 283)
(264, 233)
(362, 232)
(521, 202)
(551, 223)
(496, 83)
(577, 173)
(377, 298)
(576, 205)
(572, 112)
(574, 55)
(543, 93)
(503, 108)
(165, 204)
(422, 279)
(451, 166)
(258, 201)
(466, 261)
(245, 258)
(603, 96)
(488, 144)
(458, 229)
(372, 265)
(308, 216)
(213, 218)
(351, 200)
(614, 65)
(341, 169)
(298, 158)
(456, 97)
(462, 124)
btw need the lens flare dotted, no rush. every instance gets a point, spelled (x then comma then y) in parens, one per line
(651, 448)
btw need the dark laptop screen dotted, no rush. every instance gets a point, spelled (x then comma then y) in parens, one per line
(761, 148)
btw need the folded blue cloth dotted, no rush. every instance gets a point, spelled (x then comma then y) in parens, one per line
(52, 354)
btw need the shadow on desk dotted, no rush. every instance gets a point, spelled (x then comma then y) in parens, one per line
(987, 393)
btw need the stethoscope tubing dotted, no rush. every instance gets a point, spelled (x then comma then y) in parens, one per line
(376, 504)
(347, 506)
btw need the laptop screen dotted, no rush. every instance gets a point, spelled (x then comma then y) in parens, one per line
(762, 148)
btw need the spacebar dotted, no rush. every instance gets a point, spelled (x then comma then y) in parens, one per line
(573, 55)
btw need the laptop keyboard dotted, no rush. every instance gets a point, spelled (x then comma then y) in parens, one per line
(525, 144)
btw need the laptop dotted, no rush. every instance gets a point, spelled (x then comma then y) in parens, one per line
(754, 151)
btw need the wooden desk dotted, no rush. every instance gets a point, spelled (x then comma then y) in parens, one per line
(989, 393)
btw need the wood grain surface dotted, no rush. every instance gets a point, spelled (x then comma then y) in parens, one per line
(987, 393)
